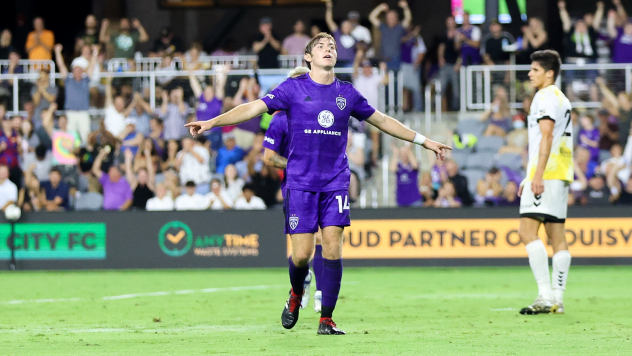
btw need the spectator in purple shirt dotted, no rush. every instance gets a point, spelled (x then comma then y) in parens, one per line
(589, 136)
(469, 40)
(622, 36)
(346, 42)
(117, 194)
(405, 165)
(210, 103)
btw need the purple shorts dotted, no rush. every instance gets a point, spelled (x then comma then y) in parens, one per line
(306, 211)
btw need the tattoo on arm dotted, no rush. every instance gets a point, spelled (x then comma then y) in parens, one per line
(279, 161)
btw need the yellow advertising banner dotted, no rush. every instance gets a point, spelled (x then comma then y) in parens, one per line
(478, 238)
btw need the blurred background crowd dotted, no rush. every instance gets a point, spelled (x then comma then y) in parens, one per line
(87, 141)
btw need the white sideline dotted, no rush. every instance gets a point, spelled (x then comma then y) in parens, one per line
(156, 294)
(152, 294)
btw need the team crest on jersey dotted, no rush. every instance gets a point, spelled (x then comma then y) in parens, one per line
(293, 222)
(325, 118)
(341, 102)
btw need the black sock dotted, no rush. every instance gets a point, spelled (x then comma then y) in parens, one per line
(326, 312)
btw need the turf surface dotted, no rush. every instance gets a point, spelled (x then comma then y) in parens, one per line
(429, 311)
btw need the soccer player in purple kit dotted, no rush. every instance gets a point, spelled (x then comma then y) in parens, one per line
(275, 144)
(318, 108)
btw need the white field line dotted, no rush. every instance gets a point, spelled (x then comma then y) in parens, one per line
(131, 329)
(158, 294)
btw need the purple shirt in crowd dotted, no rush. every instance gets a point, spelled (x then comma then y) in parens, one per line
(346, 47)
(115, 194)
(592, 135)
(276, 139)
(469, 54)
(208, 109)
(318, 117)
(622, 47)
(407, 190)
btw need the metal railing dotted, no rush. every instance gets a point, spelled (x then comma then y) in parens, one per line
(31, 66)
(236, 62)
(394, 98)
(478, 83)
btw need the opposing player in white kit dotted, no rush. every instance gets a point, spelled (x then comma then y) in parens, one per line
(544, 191)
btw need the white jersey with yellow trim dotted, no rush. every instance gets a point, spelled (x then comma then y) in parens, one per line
(552, 103)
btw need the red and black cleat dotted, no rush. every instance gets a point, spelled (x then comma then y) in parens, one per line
(328, 327)
(289, 317)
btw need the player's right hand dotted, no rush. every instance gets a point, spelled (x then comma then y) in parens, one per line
(198, 127)
(537, 186)
(438, 148)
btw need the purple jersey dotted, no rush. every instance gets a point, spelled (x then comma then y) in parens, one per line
(592, 135)
(276, 138)
(318, 117)
(407, 190)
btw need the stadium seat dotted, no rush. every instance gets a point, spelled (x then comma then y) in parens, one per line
(474, 127)
(460, 157)
(481, 160)
(489, 144)
(473, 176)
(510, 160)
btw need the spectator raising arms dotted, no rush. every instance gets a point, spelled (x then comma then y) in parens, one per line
(210, 102)
(619, 106)
(405, 165)
(115, 110)
(620, 30)
(43, 94)
(535, 39)
(77, 92)
(39, 43)
(359, 32)
(124, 41)
(143, 184)
(392, 32)
(345, 40)
(295, 43)
(167, 44)
(580, 43)
(117, 194)
(173, 112)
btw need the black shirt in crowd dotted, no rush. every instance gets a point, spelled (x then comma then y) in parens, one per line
(494, 47)
(142, 193)
(462, 191)
(450, 54)
(268, 56)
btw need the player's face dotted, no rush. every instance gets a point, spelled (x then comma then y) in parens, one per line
(323, 54)
(537, 75)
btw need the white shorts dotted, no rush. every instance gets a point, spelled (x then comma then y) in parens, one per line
(550, 206)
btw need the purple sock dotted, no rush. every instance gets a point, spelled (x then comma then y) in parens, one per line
(297, 276)
(318, 265)
(332, 276)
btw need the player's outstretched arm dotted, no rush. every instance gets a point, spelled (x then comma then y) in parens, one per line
(396, 129)
(241, 113)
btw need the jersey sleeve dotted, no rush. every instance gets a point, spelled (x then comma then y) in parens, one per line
(546, 107)
(361, 109)
(278, 98)
(274, 135)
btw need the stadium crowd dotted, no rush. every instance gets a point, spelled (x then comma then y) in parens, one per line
(143, 158)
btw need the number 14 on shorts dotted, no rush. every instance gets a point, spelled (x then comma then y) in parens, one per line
(341, 206)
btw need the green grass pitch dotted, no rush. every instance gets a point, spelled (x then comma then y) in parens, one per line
(389, 311)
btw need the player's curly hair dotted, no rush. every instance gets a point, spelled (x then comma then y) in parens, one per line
(549, 60)
(314, 41)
